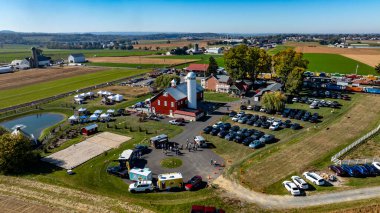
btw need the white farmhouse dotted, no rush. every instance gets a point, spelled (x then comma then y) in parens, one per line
(76, 58)
(214, 50)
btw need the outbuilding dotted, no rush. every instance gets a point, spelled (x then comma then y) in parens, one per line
(90, 130)
(76, 58)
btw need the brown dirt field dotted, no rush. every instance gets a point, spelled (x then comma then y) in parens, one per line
(64, 199)
(139, 60)
(127, 91)
(333, 50)
(173, 44)
(367, 150)
(298, 157)
(33, 76)
(12, 204)
(371, 60)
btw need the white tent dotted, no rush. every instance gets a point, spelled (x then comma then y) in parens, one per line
(89, 94)
(118, 98)
(98, 112)
(78, 100)
(110, 97)
(94, 117)
(104, 115)
(82, 110)
(110, 111)
(83, 95)
(100, 92)
(74, 118)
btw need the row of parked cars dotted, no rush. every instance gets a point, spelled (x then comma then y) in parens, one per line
(359, 170)
(249, 137)
(315, 103)
(262, 121)
(300, 114)
(298, 184)
(329, 94)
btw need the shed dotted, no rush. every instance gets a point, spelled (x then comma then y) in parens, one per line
(76, 58)
(137, 174)
(89, 130)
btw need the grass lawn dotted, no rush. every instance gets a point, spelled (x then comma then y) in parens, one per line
(367, 150)
(38, 91)
(171, 163)
(219, 97)
(141, 66)
(334, 63)
(278, 48)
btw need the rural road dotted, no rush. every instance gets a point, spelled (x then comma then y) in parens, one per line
(288, 201)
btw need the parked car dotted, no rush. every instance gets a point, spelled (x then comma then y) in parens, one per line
(201, 141)
(339, 171)
(267, 138)
(222, 133)
(243, 107)
(256, 144)
(118, 171)
(265, 125)
(215, 131)
(291, 187)
(295, 126)
(207, 130)
(238, 138)
(236, 118)
(143, 149)
(301, 183)
(141, 186)
(177, 122)
(194, 183)
(376, 165)
(243, 120)
(247, 141)
(250, 122)
(256, 108)
(225, 126)
(350, 171)
(235, 128)
(372, 171)
(275, 126)
(232, 114)
(257, 123)
(314, 178)
(230, 136)
(249, 107)
(361, 170)
(217, 124)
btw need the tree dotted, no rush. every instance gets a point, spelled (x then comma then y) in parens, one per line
(273, 101)
(15, 153)
(212, 66)
(285, 62)
(244, 62)
(163, 81)
(294, 81)
(377, 68)
(2, 130)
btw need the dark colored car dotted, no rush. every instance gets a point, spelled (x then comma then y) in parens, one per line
(232, 114)
(194, 183)
(247, 141)
(118, 171)
(250, 122)
(286, 124)
(205, 209)
(295, 126)
(249, 132)
(143, 149)
(222, 133)
(215, 131)
(257, 108)
(207, 130)
(243, 107)
(225, 126)
(372, 171)
(350, 171)
(286, 113)
(241, 131)
(265, 125)
(267, 138)
(235, 128)
(338, 170)
(230, 136)
(258, 133)
(256, 144)
(263, 118)
(361, 169)
(238, 138)
(257, 123)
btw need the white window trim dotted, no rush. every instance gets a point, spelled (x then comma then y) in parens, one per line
(159, 103)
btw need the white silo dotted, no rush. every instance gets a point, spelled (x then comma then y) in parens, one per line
(191, 90)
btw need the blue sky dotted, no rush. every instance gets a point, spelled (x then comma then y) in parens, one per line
(233, 16)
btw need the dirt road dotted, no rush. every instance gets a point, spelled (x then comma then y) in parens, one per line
(288, 201)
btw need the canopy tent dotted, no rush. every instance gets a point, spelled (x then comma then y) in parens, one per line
(98, 112)
(110, 97)
(82, 110)
(100, 92)
(89, 94)
(78, 100)
(118, 97)
(84, 95)
(110, 111)
(74, 118)
(94, 117)
(104, 115)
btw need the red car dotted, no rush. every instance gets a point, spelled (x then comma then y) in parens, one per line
(194, 183)
(205, 209)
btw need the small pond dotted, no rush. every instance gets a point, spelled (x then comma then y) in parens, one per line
(34, 124)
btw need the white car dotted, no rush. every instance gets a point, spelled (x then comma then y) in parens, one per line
(236, 118)
(175, 122)
(295, 99)
(201, 141)
(217, 124)
(141, 186)
(262, 109)
(291, 187)
(249, 107)
(377, 165)
(274, 126)
(314, 178)
(301, 183)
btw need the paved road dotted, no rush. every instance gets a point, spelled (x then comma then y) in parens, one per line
(194, 162)
(288, 201)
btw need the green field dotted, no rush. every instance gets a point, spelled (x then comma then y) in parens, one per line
(26, 94)
(219, 97)
(334, 63)
(142, 66)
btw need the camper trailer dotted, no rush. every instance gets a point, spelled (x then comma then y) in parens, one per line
(170, 181)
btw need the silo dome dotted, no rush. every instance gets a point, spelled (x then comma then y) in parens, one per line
(191, 75)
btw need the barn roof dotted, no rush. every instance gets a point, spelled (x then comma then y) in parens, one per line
(76, 55)
(197, 67)
(180, 91)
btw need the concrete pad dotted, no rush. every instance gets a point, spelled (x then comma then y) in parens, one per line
(78, 154)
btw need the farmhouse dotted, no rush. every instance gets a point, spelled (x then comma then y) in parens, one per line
(214, 50)
(76, 58)
(270, 88)
(217, 83)
(198, 69)
(179, 100)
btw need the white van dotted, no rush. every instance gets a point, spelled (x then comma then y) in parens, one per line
(314, 178)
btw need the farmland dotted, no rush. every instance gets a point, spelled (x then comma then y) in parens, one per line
(33, 92)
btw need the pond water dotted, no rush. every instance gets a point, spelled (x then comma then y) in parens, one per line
(34, 124)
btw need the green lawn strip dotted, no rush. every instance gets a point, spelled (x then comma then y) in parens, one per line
(171, 162)
(278, 48)
(219, 97)
(38, 91)
(142, 66)
(334, 63)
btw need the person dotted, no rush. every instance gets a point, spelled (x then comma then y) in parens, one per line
(212, 162)
(189, 148)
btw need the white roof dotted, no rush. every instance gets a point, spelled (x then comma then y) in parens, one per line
(110, 111)
(82, 109)
(98, 111)
(90, 93)
(104, 115)
(94, 116)
(73, 117)
(126, 154)
(170, 176)
(138, 171)
(100, 92)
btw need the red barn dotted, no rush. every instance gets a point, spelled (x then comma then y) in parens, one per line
(198, 69)
(173, 101)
